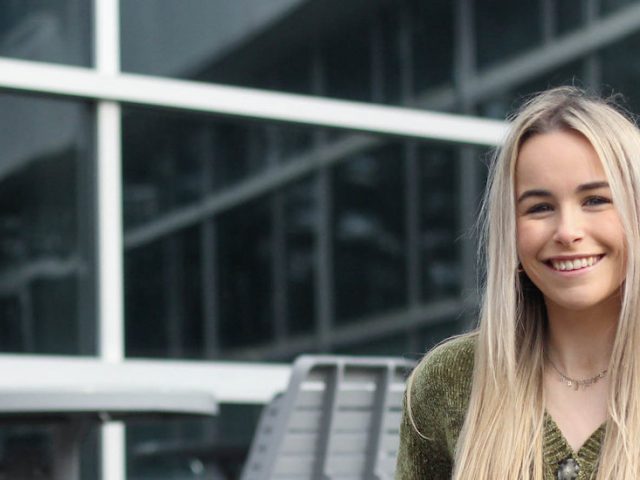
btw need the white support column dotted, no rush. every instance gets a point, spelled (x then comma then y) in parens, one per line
(109, 225)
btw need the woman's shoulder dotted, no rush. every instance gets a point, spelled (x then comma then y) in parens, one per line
(447, 369)
(454, 355)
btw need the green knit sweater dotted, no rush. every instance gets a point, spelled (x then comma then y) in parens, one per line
(439, 399)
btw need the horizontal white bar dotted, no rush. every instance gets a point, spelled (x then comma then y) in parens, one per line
(227, 382)
(248, 103)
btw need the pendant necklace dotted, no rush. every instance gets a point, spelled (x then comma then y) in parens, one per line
(575, 383)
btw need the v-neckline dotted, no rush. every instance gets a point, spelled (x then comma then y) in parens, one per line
(589, 450)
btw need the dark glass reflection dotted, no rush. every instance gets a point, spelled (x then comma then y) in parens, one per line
(369, 233)
(57, 31)
(28, 451)
(192, 449)
(245, 275)
(173, 160)
(368, 51)
(432, 43)
(505, 28)
(46, 227)
(163, 303)
(506, 102)
(434, 334)
(570, 15)
(439, 222)
(347, 62)
(619, 74)
(301, 220)
(609, 6)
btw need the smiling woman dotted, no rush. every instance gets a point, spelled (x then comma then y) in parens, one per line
(551, 375)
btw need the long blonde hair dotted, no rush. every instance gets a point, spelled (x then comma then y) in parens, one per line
(502, 436)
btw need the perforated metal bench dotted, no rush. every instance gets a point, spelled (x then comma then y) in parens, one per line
(339, 419)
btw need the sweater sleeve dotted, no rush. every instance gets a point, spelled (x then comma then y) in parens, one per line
(424, 455)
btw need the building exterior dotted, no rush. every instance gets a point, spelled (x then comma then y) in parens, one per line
(142, 217)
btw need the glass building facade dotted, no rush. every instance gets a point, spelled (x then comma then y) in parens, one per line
(256, 238)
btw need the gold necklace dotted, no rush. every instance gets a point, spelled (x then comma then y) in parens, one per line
(577, 384)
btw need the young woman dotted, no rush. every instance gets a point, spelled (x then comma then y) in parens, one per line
(548, 387)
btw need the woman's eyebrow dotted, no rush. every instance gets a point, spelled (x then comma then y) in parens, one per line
(537, 192)
(592, 186)
(534, 193)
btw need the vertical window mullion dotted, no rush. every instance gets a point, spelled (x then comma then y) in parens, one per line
(110, 298)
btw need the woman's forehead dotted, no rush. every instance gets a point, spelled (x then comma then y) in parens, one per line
(558, 157)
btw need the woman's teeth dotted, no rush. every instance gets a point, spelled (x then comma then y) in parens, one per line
(574, 264)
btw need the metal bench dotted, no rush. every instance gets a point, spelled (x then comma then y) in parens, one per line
(338, 419)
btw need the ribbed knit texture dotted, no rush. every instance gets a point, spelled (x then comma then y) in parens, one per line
(439, 399)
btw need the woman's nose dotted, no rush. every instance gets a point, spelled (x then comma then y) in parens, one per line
(569, 229)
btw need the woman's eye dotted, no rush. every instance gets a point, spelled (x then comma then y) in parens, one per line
(539, 208)
(595, 201)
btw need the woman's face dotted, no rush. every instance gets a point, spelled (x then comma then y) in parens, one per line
(569, 237)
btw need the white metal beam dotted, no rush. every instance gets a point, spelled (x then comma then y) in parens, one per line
(109, 225)
(247, 103)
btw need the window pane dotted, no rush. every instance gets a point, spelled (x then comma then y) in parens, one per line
(47, 270)
(505, 28)
(362, 51)
(369, 233)
(620, 72)
(609, 6)
(439, 228)
(192, 449)
(164, 298)
(28, 451)
(172, 160)
(432, 335)
(57, 31)
(569, 15)
(432, 37)
(186, 40)
(501, 104)
(301, 217)
(347, 62)
(245, 276)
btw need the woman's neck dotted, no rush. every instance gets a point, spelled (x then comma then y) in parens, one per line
(580, 342)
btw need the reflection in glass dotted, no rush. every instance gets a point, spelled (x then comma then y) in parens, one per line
(569, 15)
(46, 229)
(347, 59)
(434, 334)
(439, 207)
(505, 28)
(172, 160)
(621, 75)
(609, 6)
(184, 39)
(245, 249)
(28, 450)
(365, 51)
(500, 105)
(163, 298)
(432, 36)
(58, 31)
(301, 220)
(192, 449)
(369, 233)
